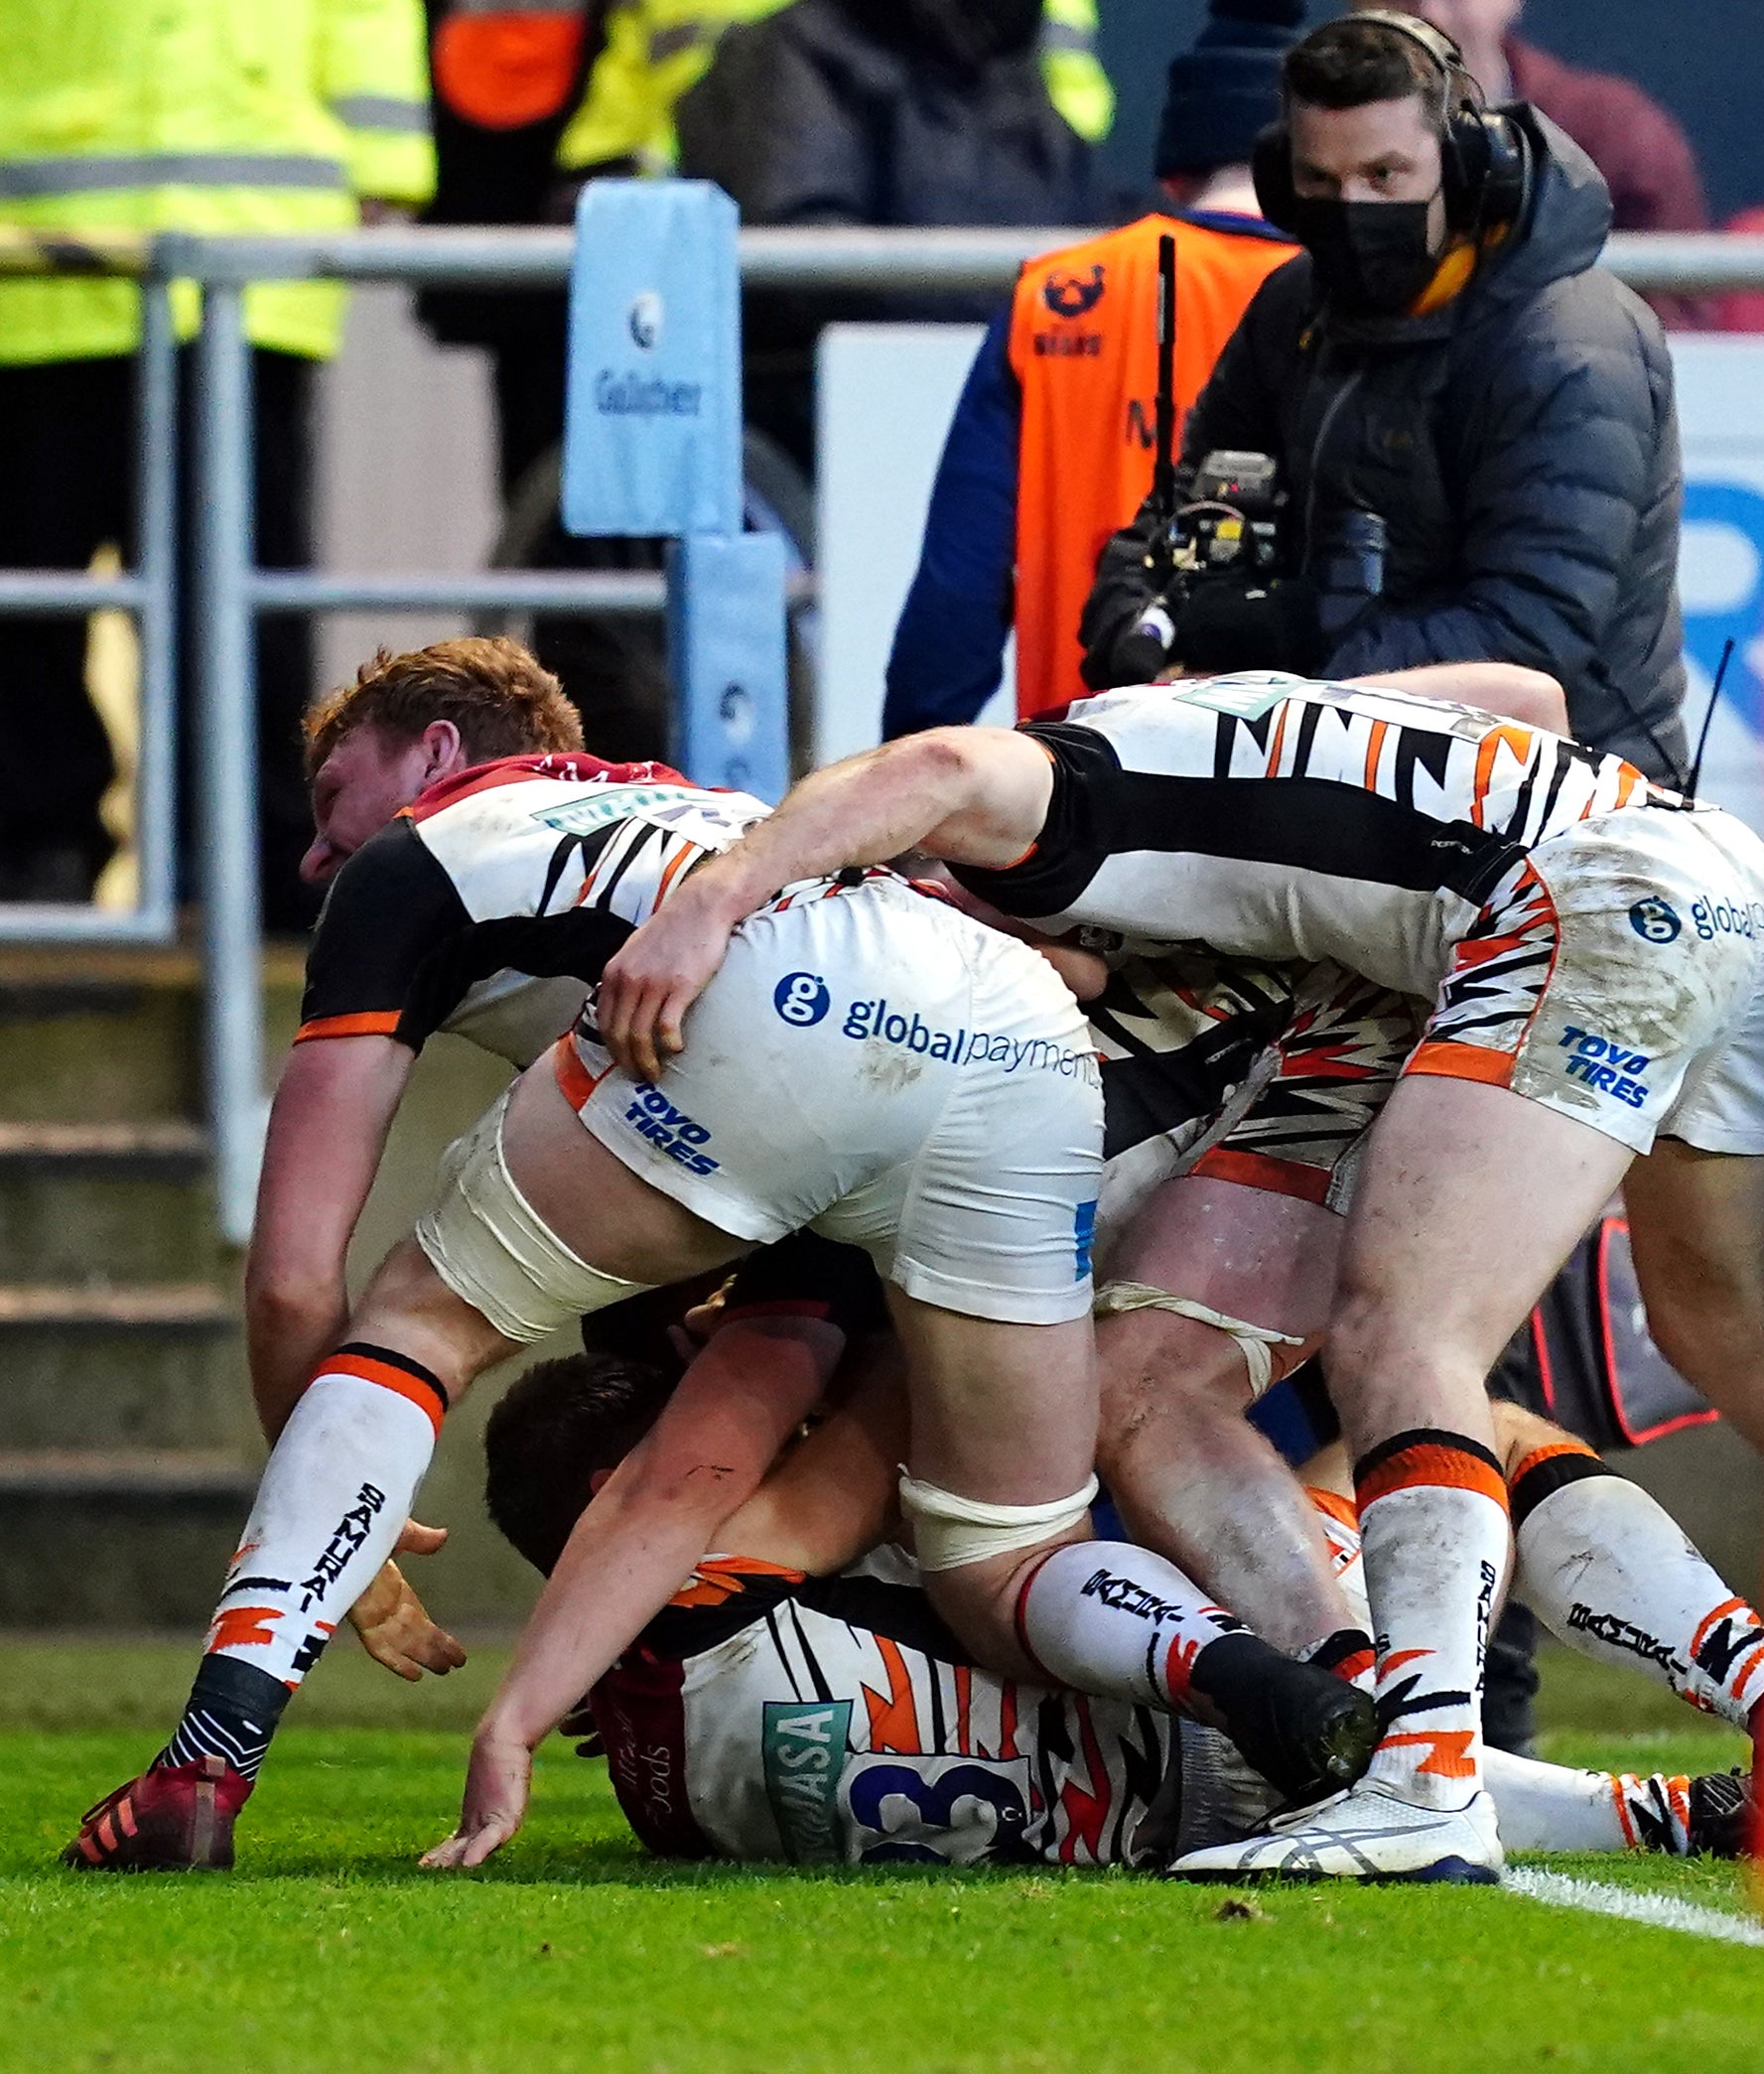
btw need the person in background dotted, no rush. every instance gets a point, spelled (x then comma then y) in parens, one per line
(194, 115)
(886, 112)
(1638, 146)
(1051, 448)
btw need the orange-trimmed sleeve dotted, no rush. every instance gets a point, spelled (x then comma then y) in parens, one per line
(375, 1022)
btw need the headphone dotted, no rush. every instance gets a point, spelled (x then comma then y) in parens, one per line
(1482, 154)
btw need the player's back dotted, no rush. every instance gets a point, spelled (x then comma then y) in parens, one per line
(1271, 816)
(835, 1719)
(489, 906)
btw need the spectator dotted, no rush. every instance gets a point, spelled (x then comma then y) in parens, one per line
(886, 112)
(1052, 446)
(1447, 354)
(200, 115)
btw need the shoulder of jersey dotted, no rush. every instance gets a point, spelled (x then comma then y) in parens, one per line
(578, 769)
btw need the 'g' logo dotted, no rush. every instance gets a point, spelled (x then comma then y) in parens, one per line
(1654, 922)
(802, 999)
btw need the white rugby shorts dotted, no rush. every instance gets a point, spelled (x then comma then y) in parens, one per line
(871, 1063)
(1615, 976)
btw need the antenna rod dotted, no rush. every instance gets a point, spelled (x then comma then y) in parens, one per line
(1164, 472)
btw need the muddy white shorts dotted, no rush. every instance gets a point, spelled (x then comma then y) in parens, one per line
(1615, 976)
(871, 1063)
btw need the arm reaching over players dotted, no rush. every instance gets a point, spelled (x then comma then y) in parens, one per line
(638, 1538)
(972, 795)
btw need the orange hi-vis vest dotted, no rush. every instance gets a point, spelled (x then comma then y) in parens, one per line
(1084, 350)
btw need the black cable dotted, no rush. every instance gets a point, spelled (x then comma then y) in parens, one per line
(1708, 715)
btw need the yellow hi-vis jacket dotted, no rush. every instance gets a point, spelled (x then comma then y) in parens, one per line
(656, 50)
(201, 116)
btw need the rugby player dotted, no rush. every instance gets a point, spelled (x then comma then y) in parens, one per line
(961, 1153)
(1590, 947)
(798, 1699)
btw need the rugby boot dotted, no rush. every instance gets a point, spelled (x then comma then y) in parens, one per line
(175, 1818)
(1307, 1731)
(1367, 1834)
(1723, 1809)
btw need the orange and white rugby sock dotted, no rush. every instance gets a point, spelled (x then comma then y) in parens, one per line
(1107, 1617)
(1434, 1539)
(1610, 1572)
(1555, 1807)
(334, 1496)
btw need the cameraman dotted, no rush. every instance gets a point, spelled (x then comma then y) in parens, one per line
(1445, 354)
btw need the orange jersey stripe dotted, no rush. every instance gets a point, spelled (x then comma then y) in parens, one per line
(1373, 750)
(1431, 1462)
(374, 1023)
(1335, 1504)
(382, 1373)
(1456, 1062)
(574, 1082)
(1258, 1171)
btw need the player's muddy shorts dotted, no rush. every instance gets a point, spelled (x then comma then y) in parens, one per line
(1615, 977)
(871, 1063)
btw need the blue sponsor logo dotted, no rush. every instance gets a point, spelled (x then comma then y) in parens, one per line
(1608, 1068)
(1713, 919)
(802, 999)
(1653, 920)
(876, 1020)
(1083, 1235)
(669, 1130)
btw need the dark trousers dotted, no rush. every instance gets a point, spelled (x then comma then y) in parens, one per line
(66, 486)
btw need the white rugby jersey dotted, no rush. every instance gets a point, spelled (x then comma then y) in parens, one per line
(491, 903)
(1268, 816)
(765, 1715)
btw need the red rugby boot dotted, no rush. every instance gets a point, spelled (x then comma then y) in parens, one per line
(174, 1818)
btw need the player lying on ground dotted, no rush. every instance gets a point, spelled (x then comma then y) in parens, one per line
(1590, 945)
(962, 1153)
(798, 1699)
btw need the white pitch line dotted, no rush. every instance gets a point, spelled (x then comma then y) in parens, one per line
(1658, 1911)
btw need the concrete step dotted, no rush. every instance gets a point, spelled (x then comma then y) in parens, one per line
(153, 1476)
(180, 1308)
(126, 1148)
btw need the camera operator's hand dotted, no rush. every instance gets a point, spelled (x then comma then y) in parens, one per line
(1116, 651)
(1251, 623)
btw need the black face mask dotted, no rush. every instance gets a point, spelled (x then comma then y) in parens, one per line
(1371, 258)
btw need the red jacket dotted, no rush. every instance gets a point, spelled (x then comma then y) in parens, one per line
(1645, 157)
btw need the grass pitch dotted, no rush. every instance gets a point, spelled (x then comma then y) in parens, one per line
(328, 1950)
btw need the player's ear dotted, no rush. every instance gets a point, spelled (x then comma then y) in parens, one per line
(444, 751)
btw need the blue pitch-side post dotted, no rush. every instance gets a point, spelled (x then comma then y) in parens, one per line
(652, 447)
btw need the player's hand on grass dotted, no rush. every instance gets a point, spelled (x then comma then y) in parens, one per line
(392, 1622)
(497, 1783)
(657, 976)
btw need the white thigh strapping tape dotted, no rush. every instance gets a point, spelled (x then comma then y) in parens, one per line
(489, 1246)
(949, 1531)
(1115, 1299)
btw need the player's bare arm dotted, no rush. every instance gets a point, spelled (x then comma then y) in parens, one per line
(327, 1131)
(972, 795)
(634, 1547)
(1507, 688)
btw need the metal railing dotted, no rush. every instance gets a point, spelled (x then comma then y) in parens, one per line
(229, 591)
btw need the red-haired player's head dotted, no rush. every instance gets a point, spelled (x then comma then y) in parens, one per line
(409, 721)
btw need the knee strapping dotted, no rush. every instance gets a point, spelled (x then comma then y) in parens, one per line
(950, 1532)
(1253, 1343)
(492, 1248)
